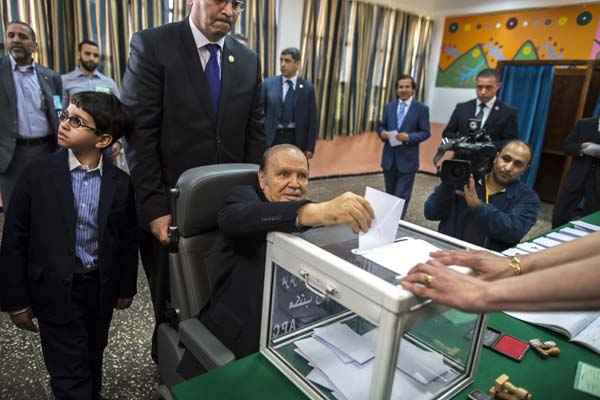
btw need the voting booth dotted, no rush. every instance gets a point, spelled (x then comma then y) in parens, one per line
(336, 322)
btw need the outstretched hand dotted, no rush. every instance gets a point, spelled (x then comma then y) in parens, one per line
(484, 264)
(437, 282)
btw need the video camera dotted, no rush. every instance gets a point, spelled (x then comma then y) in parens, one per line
(473, 155)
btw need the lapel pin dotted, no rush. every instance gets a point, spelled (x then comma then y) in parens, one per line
(231, 59)
(300, 86)
(496, 108)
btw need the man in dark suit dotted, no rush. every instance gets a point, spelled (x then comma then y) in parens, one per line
(580, 193)
(290, 106)
(30, 99)
(236, 262)
(499, 120)
(194, 93)
(405, 124)
(69, 249)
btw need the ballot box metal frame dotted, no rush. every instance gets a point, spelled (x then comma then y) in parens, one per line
(385, 305)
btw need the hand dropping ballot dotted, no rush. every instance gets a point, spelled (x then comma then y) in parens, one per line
(388, 212)
(379, 244)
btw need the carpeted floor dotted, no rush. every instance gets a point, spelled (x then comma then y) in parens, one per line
(129, 371)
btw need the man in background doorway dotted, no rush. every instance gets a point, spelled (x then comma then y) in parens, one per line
(404, 126)
(290, 106)
(580, 193)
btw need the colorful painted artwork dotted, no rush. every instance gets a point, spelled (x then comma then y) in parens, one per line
(475, 42)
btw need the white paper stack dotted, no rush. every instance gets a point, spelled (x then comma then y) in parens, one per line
(343, 362)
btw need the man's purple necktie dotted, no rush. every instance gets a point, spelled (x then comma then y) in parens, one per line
(213, 75)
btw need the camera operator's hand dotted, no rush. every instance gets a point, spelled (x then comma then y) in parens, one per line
(402, 137)
(591, 149)
(470, 194)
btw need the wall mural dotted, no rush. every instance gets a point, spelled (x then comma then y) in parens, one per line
(475, 42)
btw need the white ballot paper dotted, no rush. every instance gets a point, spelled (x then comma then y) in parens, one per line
(560, 236)
(404, 254)
(547, 242)
(530, 247)
(586, 225)
(346, 341)
(388, 212)
(575, 232)
(418, 374)
(392, 139)
(514, 252)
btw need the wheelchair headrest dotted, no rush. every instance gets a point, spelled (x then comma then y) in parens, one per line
(202, 192)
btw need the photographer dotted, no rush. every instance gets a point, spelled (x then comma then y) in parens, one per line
(495, 211)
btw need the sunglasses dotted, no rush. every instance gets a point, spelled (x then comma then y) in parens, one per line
(74, 121)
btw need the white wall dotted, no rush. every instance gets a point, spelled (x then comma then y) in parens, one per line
(442, 100)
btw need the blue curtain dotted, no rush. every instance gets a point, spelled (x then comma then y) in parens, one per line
(529, 88)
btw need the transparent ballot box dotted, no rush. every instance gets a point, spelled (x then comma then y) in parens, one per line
(336, 322)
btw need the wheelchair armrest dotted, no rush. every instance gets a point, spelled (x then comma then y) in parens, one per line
(207, 349)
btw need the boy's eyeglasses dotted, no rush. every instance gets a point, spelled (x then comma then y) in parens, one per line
(74, 121)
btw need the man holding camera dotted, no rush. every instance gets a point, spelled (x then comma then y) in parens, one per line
(495, 211)
(497, 119)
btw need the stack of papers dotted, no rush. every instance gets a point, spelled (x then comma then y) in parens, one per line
(577, 230)
(343, 363)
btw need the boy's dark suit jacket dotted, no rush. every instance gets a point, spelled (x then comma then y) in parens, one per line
(37, 257)
(502, 124)
(580, 175)
(236, 265)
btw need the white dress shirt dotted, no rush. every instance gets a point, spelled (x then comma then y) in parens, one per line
(285, 85)
(202, 41)
(486, 111)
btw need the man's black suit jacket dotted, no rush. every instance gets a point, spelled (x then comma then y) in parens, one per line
(37, 257)
(176, 128)
(236, 265)
(581, 176)
(305, 111)
(501, 125)
(51, 86)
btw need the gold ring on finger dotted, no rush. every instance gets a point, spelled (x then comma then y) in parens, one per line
(428, 279)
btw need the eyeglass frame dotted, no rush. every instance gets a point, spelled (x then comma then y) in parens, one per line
(74, 119)
(241, 4)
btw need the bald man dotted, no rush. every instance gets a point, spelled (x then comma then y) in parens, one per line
(237, 261)
(494, 212)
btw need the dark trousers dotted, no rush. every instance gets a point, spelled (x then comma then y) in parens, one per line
(285, 136)
(73, 351)
(400, 185)
(155, 259)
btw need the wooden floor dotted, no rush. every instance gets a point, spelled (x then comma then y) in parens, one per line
(361, 154)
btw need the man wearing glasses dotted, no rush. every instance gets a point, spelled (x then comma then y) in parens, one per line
(30, 96)
(194, 94)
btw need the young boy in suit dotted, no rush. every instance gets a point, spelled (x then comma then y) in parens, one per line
(69, 250)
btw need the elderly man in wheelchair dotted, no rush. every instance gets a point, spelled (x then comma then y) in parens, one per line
(222, 215)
